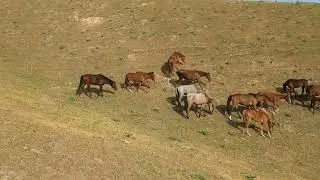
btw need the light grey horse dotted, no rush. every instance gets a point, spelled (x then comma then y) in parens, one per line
(183, 90)
(200, 100)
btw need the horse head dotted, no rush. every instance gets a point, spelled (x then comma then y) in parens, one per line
(114, 85)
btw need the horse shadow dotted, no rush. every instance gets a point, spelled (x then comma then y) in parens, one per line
(97, 91)
(222, 109)
(165, 70)
(279, 89)
(178, 109)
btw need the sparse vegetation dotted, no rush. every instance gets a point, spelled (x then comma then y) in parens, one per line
(48, 133)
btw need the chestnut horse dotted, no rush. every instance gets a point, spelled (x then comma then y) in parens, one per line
(193, 75)
(295, 83)
(200, 99)
(274, 98)
(138, 79)
(258, 116)
(175, 61)
(94, 79)
(241, 99)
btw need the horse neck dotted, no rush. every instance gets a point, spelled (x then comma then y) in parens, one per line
(107, 80)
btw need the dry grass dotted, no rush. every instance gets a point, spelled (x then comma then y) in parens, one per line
(47, 132)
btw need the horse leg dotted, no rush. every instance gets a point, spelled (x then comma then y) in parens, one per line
(88, 89)
(261, 129)
(237, 109)
(302, 91)
(230, 117)
(101, 90)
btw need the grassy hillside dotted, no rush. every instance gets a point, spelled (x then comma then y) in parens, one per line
(47, 132)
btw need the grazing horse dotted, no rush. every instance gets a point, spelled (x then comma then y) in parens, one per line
(295, 83)
(183, 90)
(94, 79)
(274, 98)
(193, 76)
(241, 99)
(312, 90)
(315, 101)
(175, 61)
(199, 99)
(258, 116)
(138, 79)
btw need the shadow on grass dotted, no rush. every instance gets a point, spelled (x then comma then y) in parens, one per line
(97, 91)
(178, 109)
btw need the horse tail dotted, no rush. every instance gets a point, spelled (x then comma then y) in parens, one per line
(228, 104)
(80, 84)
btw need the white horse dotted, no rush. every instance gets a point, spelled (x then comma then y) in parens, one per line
(199, 99)
(183, 90)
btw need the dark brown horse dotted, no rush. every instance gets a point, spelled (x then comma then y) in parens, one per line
(176, 60)
(258, 116)
(274, 98)
(193, 75)
(138, 79)
(94, 79)
(241, 99)
(295, 83)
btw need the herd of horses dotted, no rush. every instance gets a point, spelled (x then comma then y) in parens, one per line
(257, 106)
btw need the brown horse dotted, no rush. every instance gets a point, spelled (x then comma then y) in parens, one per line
(94, 79)
(193, 75)
(200, 99)
(312, 90)
(315, 101)
(274, 98)
(176, 60)
(295, 83)
(258, 116)
(138, 79)
(241, 99)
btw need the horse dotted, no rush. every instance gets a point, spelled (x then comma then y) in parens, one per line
(235, 100)
(138, 79)
(274, 98)
(312, 90)
(295, 83)
(258, 116)
(199, 99)
(315, 101)
(94, 79)
(175, 60)
(193, 75)
(183, 90)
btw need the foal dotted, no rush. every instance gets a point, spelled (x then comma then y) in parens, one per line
(258, 116)
(193, 76)
(199, 99)
(138, 79)
(240, 99)
(94, 79)
(175, 61)
(295, 83)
